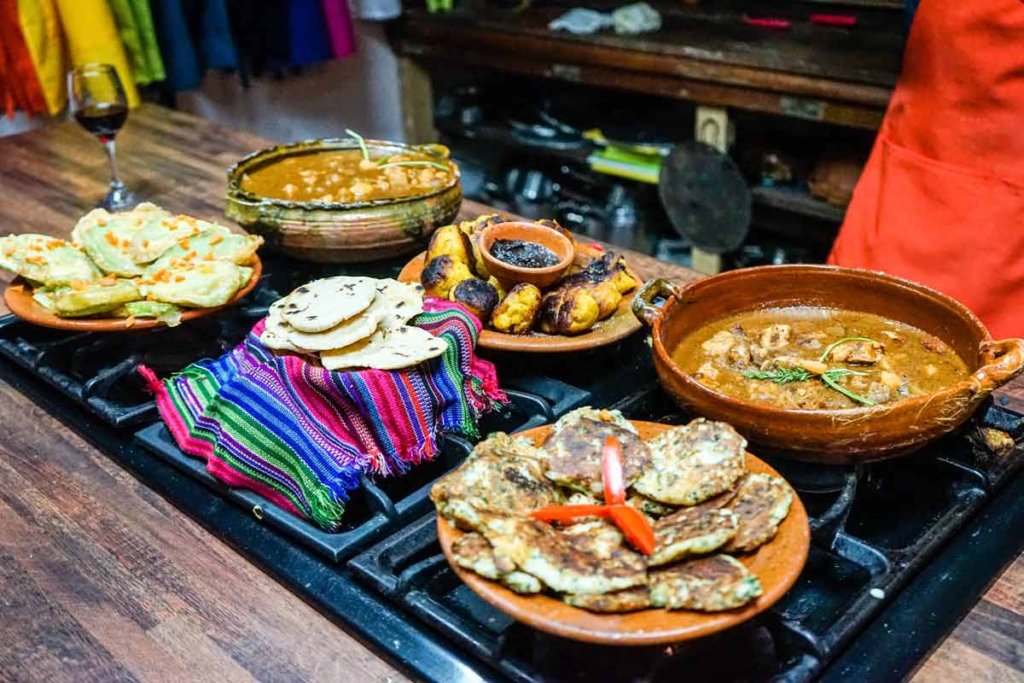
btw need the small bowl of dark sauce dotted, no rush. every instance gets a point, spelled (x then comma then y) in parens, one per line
(525, 252)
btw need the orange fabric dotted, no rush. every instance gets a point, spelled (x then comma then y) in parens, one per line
(19, 86)
(941, 199)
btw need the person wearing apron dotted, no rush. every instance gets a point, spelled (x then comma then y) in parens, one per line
(941, 199)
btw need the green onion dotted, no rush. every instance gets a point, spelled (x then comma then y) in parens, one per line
(830, 378)
(362, 142)
(432, 164)
(828, 349)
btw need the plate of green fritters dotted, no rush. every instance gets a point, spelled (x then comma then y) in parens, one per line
(128, 270)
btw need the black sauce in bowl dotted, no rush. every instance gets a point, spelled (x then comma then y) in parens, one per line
(523, 254)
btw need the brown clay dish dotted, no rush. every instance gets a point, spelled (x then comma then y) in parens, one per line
(335, 232)
(831, 436)
(620, 325)
(18, 297)
(777, 564)
(509, 274)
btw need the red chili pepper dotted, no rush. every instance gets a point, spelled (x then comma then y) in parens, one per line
(634, 527)
(611, 472)
(568, 513)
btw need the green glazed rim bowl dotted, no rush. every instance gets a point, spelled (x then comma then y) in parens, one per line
(340, 232)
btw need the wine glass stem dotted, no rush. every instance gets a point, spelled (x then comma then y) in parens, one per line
(115, 180)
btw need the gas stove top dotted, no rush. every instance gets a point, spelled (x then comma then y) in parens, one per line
(900, 549)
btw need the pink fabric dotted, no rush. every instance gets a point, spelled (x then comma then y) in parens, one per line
(339, 27)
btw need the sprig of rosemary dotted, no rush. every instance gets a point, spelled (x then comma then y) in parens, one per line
(828, 349)
(362, 143)
(829, 377)
(780, 375)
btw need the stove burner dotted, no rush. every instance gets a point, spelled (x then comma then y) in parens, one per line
(808, 477)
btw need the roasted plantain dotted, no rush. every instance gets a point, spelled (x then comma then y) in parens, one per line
(517, 311)
(555, 225)
(607, 296)
(450, 241)
(568, 311)
(478, 296)
(502, 293)
(479, 267)
(442, 273)
(480, 222)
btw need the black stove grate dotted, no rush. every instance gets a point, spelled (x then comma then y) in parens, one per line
(97, 370)
(875, 529)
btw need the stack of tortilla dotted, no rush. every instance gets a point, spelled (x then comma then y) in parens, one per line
(352, 322)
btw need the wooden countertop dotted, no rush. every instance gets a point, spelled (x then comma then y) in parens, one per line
(94, 582)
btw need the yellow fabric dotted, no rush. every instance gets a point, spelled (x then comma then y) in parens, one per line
(90, 35)
(40, 26)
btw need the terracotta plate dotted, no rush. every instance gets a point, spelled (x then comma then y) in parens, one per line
(18, 297)
(777, 564)
(618, 326)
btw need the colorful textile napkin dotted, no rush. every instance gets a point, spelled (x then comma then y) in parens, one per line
(302, 436)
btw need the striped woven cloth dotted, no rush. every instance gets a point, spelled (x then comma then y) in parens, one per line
(302, 436)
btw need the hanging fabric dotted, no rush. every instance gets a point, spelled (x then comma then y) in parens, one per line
(339, 27)
(181, 63)
(91, 36)
(309, 41)
(135, 26)
(40, 29)
(193, 36)
(262, 43)
(19, 85)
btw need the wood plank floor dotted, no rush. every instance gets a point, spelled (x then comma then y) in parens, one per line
(988, 645)
(103, 580)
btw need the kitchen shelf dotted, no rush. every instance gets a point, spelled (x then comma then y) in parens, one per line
(502, 135)
(797, 201)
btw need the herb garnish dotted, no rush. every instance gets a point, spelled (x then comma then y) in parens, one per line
(435, 164)
(828, 349)
(829, 377)
(362, 143)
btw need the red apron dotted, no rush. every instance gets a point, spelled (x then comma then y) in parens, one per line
(941, 200)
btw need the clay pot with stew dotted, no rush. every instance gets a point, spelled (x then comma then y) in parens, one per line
(331, 231)
(840, 436)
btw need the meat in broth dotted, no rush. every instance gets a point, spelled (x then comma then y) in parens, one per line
(818, 358)
(344, 176)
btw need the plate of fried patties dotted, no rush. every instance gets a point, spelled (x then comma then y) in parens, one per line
(731, 535)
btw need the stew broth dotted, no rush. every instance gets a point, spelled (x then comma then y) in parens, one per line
(814, 358)
(343, 176)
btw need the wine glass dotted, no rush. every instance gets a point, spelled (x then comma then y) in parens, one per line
(100, 106)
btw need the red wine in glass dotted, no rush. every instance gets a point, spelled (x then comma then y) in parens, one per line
(99, 104)
(103, 119)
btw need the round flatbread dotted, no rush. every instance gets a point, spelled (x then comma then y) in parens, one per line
(396, 303)
(322, 304)
(387, 350)
(275, 333)
(343, 334)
